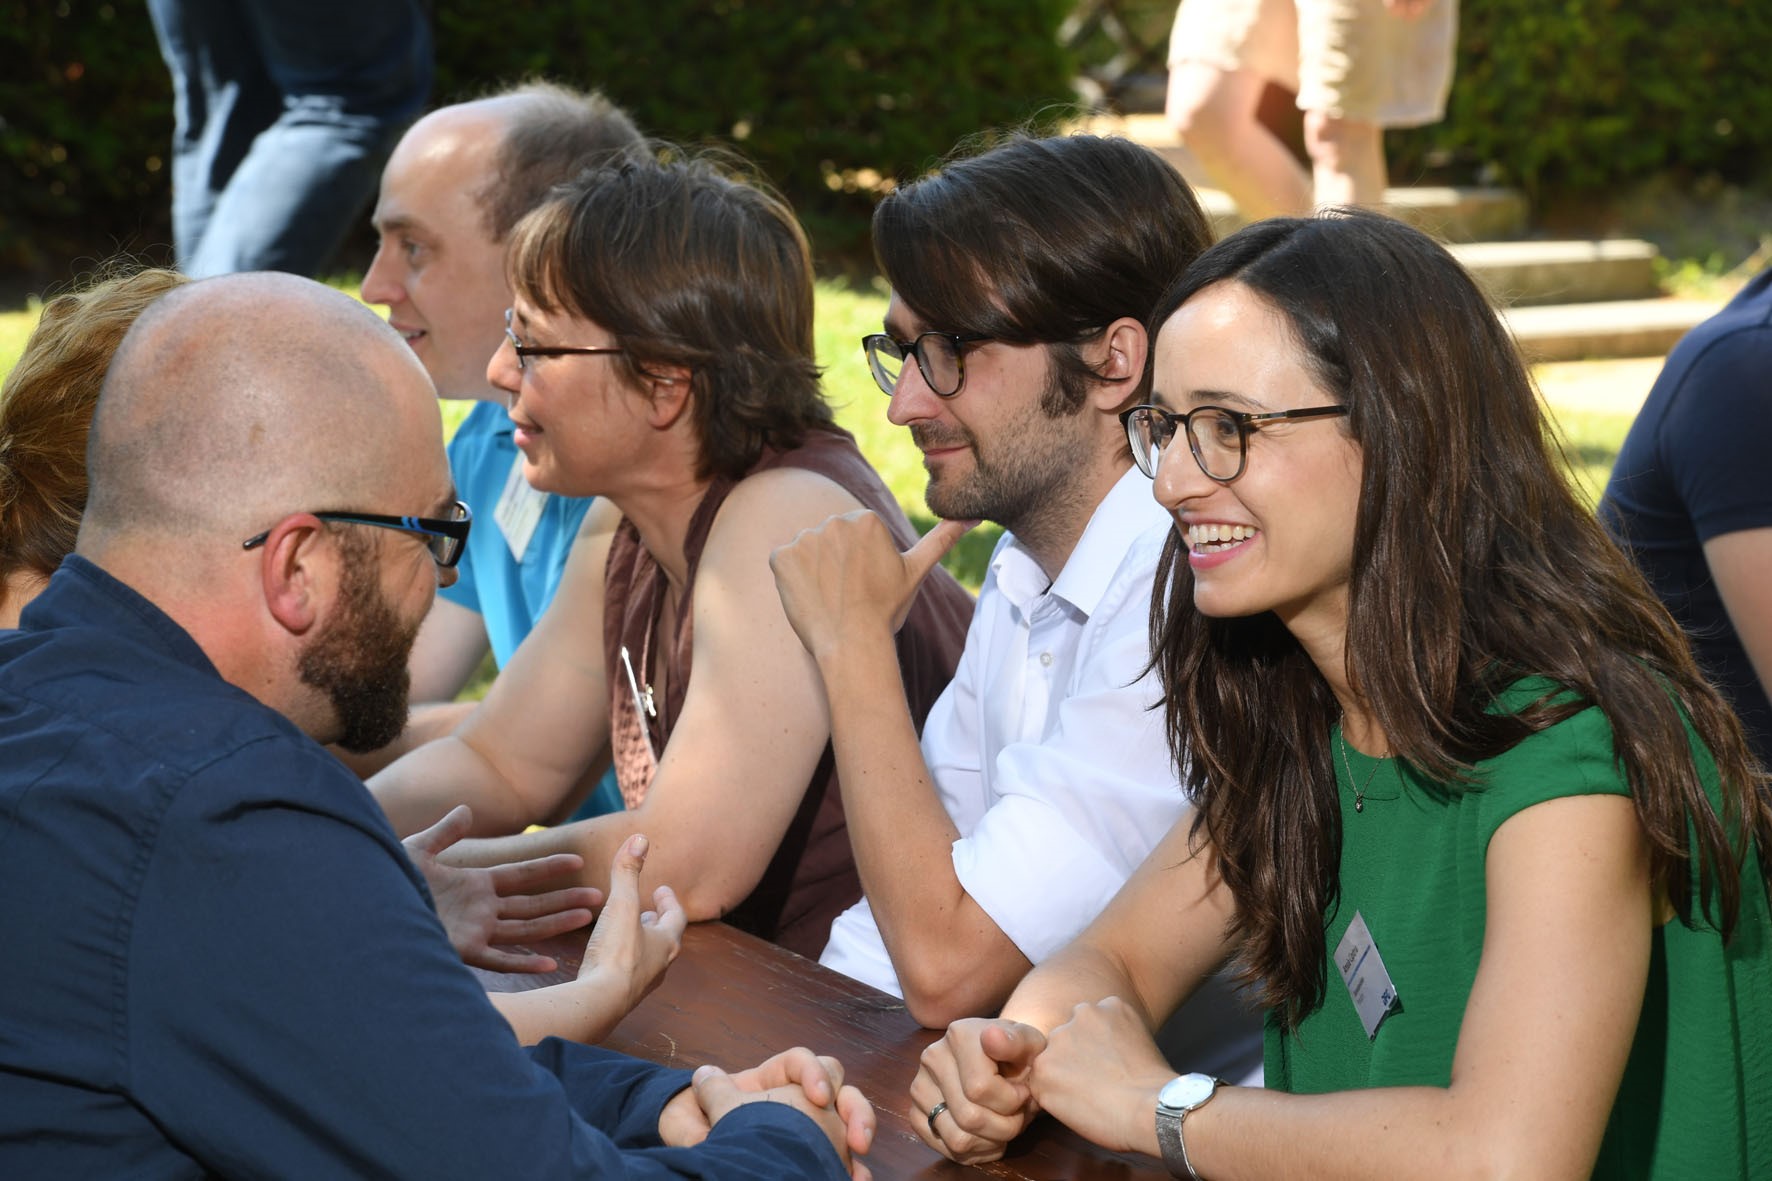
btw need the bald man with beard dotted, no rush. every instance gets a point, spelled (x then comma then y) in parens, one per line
(219, 958)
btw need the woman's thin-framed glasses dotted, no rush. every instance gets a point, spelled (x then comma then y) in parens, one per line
(941, 358)
(445, 538)
(1219, 438)
(525, 351)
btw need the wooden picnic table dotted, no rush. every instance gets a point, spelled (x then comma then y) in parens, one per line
(733, 1000)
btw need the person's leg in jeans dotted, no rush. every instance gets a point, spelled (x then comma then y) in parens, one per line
(222, 99)
(352, 74)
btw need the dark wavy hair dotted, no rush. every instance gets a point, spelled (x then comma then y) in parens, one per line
(1474, 564)
(688, 262)
(1041, 241)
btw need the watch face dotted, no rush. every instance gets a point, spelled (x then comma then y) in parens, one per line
(1186, 1092)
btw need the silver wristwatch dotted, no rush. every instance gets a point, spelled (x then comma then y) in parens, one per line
(1178, 1097)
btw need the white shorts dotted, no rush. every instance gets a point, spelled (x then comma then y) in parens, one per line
(1347, 58)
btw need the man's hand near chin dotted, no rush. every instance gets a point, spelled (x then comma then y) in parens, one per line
(798, 1078)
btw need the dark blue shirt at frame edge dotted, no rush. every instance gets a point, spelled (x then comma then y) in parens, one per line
(1694, 466)
(220, 961)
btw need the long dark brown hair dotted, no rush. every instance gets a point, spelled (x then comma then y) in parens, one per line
(1475, 564)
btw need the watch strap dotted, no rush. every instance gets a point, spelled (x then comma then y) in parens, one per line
(1170, 1137)
(1169, 1140)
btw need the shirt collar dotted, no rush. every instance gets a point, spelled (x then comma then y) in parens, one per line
(1124, 515)
(83, 594)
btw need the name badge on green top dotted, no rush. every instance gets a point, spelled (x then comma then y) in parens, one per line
(1362, 969)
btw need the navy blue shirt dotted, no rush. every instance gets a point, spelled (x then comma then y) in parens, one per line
(218, 959)
(1695, 466)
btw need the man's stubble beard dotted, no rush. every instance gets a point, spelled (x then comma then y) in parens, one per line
(1021, 484)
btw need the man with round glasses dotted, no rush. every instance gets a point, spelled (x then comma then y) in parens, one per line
(1013, 339)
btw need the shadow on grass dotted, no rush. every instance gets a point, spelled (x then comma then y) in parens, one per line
(1594, 455)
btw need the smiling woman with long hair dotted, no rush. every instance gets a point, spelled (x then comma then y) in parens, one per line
(1488, 845)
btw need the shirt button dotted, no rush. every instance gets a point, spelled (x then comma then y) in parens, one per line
(1046, 659)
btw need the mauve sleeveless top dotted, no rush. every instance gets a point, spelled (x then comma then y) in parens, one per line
(811, 879)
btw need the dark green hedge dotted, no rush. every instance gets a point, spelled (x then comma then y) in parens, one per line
(85, 124)
(1560, 96)
(824, 97)
(1577, 96)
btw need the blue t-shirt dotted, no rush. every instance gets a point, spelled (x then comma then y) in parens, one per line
(510, 594)
(1694, 466)
(219, 960)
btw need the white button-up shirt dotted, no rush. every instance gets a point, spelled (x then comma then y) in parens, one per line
(1047, 748)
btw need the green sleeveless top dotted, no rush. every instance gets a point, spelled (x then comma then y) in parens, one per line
(1696, 1099)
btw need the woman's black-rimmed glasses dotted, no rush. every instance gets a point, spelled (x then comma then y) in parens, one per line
(941, 358)
(445, 538)
(525, 351)
(1219, 438)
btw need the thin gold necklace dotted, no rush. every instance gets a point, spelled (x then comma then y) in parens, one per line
(1360, 793)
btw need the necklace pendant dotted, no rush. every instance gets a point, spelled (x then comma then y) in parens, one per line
(1360, 802)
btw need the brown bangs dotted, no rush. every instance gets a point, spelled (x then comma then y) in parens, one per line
(535, 260)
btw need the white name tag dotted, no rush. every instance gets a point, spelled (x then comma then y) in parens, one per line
(1362, 968)
(519, 510)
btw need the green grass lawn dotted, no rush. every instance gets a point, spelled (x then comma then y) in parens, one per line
(844, 315)
(15, 329)
(1591, 440)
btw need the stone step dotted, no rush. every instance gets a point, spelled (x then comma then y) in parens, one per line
(1451, 214)
(1461, 214)
(1615, 328)
(1523, 274)
(1608, 286)
(1475, 214)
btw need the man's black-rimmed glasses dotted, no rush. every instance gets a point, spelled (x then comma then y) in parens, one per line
(445, 538)
(1219, 438)
(941, 358)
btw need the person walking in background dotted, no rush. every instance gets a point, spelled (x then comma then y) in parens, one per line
(1357, 66)
(283, 114)
(1691, 499)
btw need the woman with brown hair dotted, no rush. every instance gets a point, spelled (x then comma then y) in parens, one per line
(660, 357)
(45, 410)
(1490, 847)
